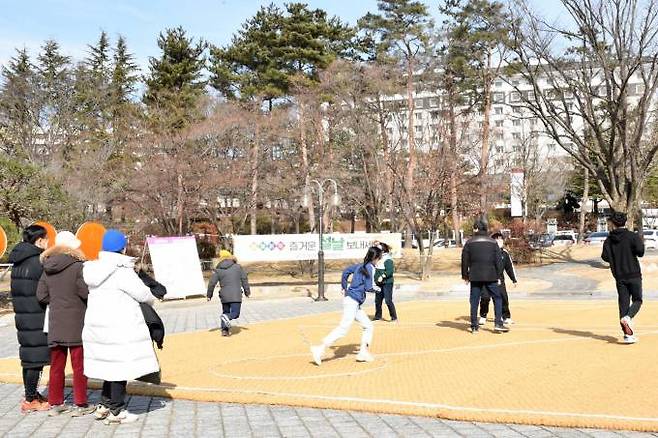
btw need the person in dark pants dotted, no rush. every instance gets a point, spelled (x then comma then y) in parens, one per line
(621, 250)
(508, 267)
(482, 266)
(233, 283)
(29, 314)
(384, 279)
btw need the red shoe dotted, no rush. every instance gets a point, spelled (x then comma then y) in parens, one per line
(35, 405)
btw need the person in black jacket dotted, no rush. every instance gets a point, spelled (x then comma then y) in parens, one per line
(29, 314)
(621, 250)
(508, 267)
(482, 266)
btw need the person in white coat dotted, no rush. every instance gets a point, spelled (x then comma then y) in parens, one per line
(117, 342)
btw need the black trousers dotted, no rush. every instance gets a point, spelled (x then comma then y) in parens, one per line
(31, 377)
(485, 299)
(629, 290)
(477, 289)
(113, 396)
(385, 295)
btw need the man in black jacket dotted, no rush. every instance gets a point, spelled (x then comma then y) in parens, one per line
(482, 266)
(508, 267)
(621, 250)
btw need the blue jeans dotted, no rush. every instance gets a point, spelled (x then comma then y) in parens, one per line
(477, 288)
(232, 310)
(385, 295)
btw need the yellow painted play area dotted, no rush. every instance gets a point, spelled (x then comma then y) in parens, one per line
(562, 364)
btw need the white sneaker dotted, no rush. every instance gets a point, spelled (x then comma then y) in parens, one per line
(508, 321)
(482, 320)
(317, 351)
(627, 325)
(630, 339)
(101, 412)
(122, 417)
(364, 356)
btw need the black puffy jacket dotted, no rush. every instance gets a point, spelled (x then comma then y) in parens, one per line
(482, 259)
(25, 274)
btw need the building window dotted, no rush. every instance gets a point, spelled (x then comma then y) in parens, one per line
(499, 123)
(498, 84)
(418, 103)
(498, 110)
(516, 135)
(419, 129)
(533, 121)
(516, 122)
(434, 115)
(499, 136)
(515, 96)
(418, 116)
(515, 83)
(434, 102)
(498, 97)
(517, 110)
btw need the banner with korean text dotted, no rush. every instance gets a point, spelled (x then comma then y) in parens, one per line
(283, 247)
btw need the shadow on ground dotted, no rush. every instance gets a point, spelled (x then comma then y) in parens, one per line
(586, 334)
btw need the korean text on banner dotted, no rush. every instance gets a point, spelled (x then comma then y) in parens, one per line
(176, 265)
(286, 247)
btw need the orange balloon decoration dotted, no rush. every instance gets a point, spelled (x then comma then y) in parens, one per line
(50, 230)
(3, 241)
(91, 236)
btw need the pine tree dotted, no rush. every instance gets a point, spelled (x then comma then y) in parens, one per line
(175, 83)
(274, 47)
(124, 73)
(19, 104)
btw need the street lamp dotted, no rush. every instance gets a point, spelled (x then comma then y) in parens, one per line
(335, 201)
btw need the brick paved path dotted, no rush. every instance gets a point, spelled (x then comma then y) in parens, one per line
(180, 418)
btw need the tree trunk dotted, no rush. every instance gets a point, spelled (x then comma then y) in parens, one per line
(305, 167)
(411, 150)
(583, 207)
(254, 181)
(484, 158)
(453, 175)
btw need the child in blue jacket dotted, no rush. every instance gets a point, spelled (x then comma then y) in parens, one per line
(355, 295)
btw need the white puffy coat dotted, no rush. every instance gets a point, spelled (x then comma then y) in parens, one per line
(117, 344)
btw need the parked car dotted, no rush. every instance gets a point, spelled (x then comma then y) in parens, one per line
(650, 239)
(596, 238)
(563, 240)
(537, 241)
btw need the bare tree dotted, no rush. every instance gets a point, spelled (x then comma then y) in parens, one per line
(597, 73)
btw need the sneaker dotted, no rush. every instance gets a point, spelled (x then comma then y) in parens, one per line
(627, 325)
(501, 329)
(317, 352)
(59, 410)
(101, 412)
(364, 356)
(122, 417)
(81, 411)
(482, 321)
(225, 332)
(475, 330)
(395, 321)
(35, 405)
(508, 321)
(630, 339)
(377, 318)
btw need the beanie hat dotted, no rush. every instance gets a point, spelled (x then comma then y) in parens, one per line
(67, 239)
(114, 241)
(225, 254)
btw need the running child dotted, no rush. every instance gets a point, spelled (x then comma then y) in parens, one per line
(621, 250)
(355, 295)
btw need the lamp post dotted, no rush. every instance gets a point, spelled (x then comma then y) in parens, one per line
(335, 201)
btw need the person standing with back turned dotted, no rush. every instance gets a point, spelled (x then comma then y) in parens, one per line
(621, 250)
(482, 266)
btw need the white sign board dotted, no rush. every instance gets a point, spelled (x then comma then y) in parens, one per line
(176, 265)
(516, 193)
(282, 247)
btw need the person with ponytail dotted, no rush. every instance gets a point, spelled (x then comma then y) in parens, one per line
(354, 296)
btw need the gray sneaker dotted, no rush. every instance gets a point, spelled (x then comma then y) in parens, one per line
(59, 410)
(81, 411)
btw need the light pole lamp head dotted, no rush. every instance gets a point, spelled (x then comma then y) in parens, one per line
(335, 200)
(306, 201)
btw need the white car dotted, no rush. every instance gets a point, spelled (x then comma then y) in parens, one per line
(596, 238)
(650, 239)
(563, 240)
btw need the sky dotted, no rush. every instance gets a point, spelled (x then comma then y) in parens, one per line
(77, 23)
